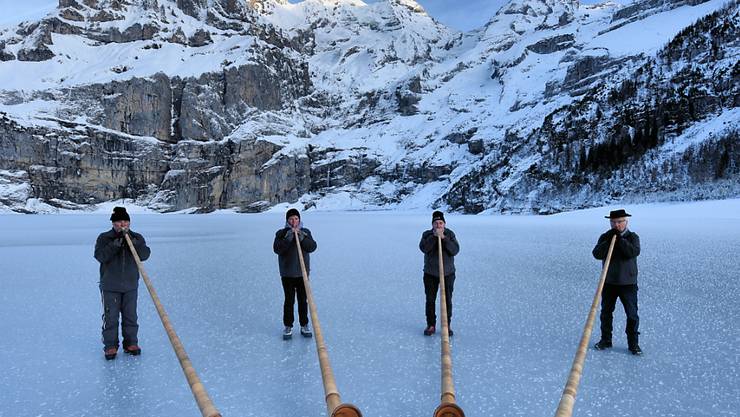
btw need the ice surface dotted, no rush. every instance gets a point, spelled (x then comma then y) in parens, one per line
(522, 294)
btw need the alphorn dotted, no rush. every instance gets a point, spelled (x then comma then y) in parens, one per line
(334, 404)
(207, 409)
(447, 407)
(568, 399)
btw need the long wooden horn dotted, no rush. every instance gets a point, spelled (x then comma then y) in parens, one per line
(568, 399)
(447, 407)
(334, 404)
(207, 409)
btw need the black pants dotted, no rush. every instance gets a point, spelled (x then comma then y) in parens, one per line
(293, 287)
(627, 294)
(123, 304)
(431, 284)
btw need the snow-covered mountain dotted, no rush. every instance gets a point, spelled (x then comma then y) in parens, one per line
(211, 104)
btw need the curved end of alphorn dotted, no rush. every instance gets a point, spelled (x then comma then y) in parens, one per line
(449, 410)
(346, 410)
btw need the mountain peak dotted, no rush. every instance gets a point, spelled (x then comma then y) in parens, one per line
(537, 8)
(409, 4)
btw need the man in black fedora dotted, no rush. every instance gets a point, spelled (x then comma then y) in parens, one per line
(119, 283)
(621, 279)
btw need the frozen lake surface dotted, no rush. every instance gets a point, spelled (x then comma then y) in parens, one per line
(524, 287)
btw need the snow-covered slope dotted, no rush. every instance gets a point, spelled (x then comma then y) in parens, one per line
(342, 104)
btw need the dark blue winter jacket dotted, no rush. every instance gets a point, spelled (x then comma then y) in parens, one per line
(286, 249)
(450, 248)
(118, 271)
(623, 264)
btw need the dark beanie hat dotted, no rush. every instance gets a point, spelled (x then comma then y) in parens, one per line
(438, 215)
(119, 213)
(292, 212)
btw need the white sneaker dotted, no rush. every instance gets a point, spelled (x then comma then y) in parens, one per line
(287, 333)
(306, 332)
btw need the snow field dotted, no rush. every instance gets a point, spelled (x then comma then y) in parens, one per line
(523, 290)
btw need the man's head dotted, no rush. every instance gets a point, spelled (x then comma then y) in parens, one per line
(120, 219)
(293, 217)
(438, 220)
(618, 220)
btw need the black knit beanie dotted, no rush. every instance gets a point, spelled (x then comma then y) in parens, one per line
(119, 213)
(292, 212)
(438, 215)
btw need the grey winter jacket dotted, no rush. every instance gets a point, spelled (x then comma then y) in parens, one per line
(450, 248)
(118, 271)
(285, 248)
(623, 265)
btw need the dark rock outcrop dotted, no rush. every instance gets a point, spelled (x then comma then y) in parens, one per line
(553, 44)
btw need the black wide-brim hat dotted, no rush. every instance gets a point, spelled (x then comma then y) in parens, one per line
(616, 214)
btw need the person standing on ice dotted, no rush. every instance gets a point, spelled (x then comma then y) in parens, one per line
(450, 248)
(119, 283)
(621, 279)
(290, 270)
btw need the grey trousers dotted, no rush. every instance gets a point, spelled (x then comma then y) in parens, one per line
(123, 304)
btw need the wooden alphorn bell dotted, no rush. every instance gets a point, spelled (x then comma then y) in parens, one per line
(568, 399)
(207, 409)
(334, 404)
(447, 407)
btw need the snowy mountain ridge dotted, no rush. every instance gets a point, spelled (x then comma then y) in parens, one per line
(342, 104)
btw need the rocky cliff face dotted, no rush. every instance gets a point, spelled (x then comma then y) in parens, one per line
(246, 104)
(668, 129)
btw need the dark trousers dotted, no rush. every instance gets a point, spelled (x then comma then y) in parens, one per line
(123, 304)
(431, 285)
(293, 287)
(627, 294)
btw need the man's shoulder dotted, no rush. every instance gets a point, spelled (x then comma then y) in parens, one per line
(631, 234)
(281, 231)
(426, 233)
(108, 233)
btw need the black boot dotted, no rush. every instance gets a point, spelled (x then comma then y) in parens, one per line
(603, 344)
(633, 345)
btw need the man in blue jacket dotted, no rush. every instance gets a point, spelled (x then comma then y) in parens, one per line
(450, 248)
(291, 276)
(119, 283)
(621, 279)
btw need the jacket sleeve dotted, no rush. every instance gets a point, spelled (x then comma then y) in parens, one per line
(450, 243)
(280, 245)
(602, 247)
(428, 242)
(105, 250)
(141, 248)
(629, 246)
(308, 244)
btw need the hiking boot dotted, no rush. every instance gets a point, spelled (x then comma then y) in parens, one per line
(287, 332)
(110, 353)
(603, 344)
(134, 350)
(305, 331)
(633, 344)
(429, 330)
